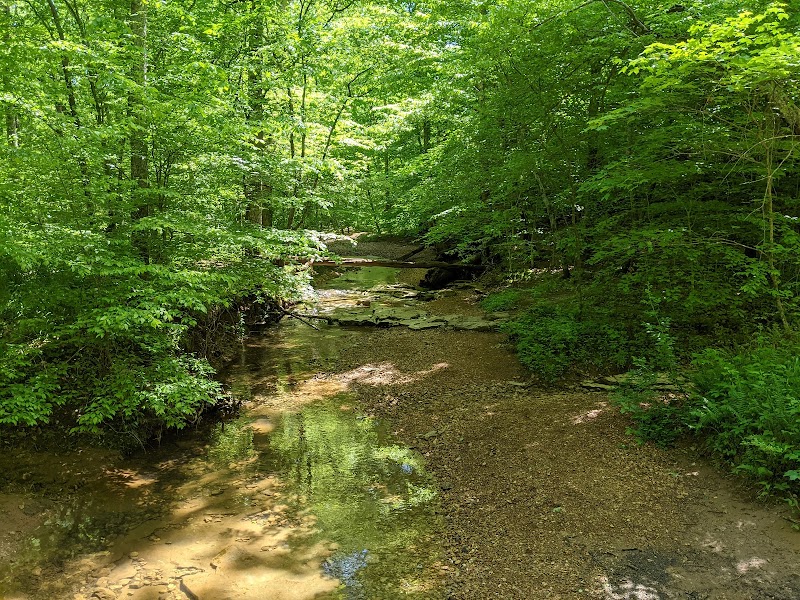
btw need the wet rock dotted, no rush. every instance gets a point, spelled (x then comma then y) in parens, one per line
(104, 594)
(396, 314)
(467, 323)
(352, 317)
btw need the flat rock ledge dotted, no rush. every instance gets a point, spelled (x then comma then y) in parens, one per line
(412, 318)
(662, 383)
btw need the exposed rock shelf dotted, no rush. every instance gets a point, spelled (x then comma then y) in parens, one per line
(413, 318)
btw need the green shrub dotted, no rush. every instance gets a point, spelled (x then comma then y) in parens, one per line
(748, 410)
(657, 417)
(502, 301)
(551, 340)
(744, 404)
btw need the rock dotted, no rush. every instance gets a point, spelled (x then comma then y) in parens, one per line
(385, 314)
(426, 324)
(600, 387)
(438, 277)
(352, 317)
(104, 594)
(466, 323)
(31, 508)
(663, 383)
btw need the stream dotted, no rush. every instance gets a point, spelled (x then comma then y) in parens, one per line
(300, 496)
(415, 459)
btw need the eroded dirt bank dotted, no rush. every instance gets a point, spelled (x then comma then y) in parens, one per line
(545, 496)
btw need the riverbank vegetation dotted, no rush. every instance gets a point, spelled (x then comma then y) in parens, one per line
(632, 168)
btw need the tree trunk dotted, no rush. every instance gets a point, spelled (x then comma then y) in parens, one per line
(139, 166)
(12, 125)
(592, 141)
(254, 186)
(768, 213)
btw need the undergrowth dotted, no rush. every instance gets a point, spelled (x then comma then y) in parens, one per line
(742, 404)
(552, 340)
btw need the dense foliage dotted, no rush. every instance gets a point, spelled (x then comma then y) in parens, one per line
(646, 155)
(633, 166)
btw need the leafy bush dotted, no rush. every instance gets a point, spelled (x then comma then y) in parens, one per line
(551, 340)
(658, 417)
(502, 301)
(97, 341)
(743, 403)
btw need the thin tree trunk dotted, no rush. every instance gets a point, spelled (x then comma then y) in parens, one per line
(12, 125)
(768, 213)
(254, 183)
(139, 165)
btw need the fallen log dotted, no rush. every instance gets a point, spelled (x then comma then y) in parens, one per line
(397, 264)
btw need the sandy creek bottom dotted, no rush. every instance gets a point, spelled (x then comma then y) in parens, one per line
(388, 464)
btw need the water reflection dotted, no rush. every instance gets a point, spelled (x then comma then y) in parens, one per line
(363, 278)
(368, 495)
(231, 442)
(80, 525)
(370, 500)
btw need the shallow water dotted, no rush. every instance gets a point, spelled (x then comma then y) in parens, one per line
(300, 494)
(371, 499)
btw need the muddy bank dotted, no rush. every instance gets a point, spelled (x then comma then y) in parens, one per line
(545, 496)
